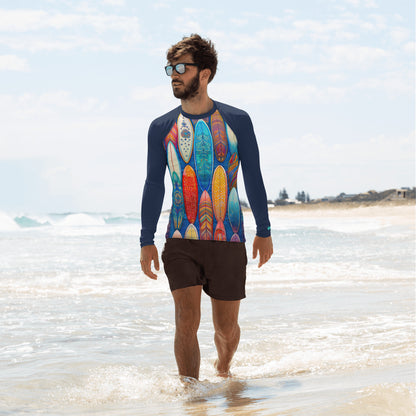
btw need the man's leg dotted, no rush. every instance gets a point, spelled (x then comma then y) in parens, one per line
(227, 333)
(187, 317)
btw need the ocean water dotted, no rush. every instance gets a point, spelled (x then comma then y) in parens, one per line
(328, 326)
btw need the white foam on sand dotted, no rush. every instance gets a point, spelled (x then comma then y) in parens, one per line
(124, 384)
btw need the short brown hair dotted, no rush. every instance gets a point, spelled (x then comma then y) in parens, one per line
(202, 50)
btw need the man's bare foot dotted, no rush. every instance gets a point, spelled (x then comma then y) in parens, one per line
(189, 383)
(187, 380)
(222, 373)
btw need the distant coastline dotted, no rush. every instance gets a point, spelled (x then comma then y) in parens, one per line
(388, 198)
(342, 205)
(401, 212)
(365, 208)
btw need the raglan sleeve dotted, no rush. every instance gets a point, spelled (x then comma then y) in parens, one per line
(250, 163)
(154, 187)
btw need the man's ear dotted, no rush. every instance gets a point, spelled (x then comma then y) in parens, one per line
(205, 74)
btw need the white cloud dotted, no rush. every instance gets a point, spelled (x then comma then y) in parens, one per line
(185, 26)
(317, 150)
(31, 30)
(66, 43)
(268, 65)
(13, 63)
(394, 83)
(355, 56)
(379, 21)
(21, 20)
(400, 34)
(324, 31)
(410, 47)
(36, 125)
(162, 4)
(114, 2)
(279, 34)
(26, 106)
(146, 93)
(370, 4)
(266, 92)
(239, 22)
(32, 20)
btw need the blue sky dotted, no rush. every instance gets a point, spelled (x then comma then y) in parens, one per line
(329, 85)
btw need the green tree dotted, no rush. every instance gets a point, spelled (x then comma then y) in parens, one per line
(283, 194)
(301, 196)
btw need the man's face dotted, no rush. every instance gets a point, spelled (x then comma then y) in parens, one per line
(185, 85)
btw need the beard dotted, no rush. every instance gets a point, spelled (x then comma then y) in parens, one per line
(190, 91)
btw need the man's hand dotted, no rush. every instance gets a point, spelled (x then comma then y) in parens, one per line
(147, 254)
(264, 246)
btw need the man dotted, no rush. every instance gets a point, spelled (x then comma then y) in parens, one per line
(202, 142)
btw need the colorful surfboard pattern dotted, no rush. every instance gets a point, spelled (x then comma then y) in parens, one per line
(177, 209)
(190, 193)
(219, 136)
(194, 121)
(205, 217)
(232, 140)
(173, 161)
(177, 234)
(219, 193)
(203, 154)
(172, 136)
(191, 232)
(234, 210)
(185, 137)
(232, 171)
(220, 234)
(235, 238)
(202, 157)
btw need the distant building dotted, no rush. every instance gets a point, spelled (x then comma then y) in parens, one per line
(328, 198)
(402, 193)
(292, 201)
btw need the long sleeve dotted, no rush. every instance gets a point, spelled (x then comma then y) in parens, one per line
(154, 187)
(253, 181)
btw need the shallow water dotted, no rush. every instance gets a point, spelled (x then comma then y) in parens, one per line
(327, 325)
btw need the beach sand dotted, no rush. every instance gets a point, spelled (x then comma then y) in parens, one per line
(405, 209)
(385, 213)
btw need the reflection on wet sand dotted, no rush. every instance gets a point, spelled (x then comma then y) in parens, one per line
(232, 396)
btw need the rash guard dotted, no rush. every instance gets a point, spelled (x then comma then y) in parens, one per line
(203, 154)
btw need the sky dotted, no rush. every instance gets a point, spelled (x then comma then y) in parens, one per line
(328, 84)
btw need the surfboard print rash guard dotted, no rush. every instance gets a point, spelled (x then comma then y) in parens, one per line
(203, 154)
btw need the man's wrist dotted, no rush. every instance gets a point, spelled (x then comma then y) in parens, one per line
(263, 231)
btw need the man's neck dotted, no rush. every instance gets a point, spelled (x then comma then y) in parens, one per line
(200, 104)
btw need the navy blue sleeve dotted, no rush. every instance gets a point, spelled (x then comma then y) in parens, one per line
(154, 187)
(250, 162)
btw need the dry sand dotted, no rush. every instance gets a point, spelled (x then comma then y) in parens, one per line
(392, 212)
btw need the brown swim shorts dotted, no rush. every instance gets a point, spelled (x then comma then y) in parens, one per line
(219, 266)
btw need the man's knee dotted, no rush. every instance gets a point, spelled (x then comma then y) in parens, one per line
(227, 331)
(187, 309)
(187, 320)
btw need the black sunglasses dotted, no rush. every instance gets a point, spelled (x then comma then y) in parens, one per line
(179, 68)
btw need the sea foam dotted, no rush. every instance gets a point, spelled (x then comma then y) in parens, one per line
(7, 223)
